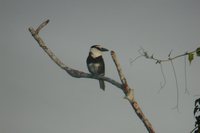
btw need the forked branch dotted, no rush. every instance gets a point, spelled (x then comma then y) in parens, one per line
(129, 95)
(70, 71)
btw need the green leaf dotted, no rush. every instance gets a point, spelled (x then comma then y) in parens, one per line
(198, 51)
(190, 57)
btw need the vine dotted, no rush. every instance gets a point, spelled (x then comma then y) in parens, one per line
(187, 55)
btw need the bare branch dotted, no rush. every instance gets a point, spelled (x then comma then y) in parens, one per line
(45, 48)
(130, 95)
(119, 70)
(79, 74)
(41, 26)
(72, 72)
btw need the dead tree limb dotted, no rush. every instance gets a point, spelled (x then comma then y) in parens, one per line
(70, 71)
(129, 95)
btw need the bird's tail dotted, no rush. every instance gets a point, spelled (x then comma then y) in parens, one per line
(102, 84)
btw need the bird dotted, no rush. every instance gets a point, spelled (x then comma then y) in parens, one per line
(95, 62)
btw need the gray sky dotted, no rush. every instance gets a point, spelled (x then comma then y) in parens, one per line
(36, 96)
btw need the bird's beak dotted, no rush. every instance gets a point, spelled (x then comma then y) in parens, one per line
(104, 49)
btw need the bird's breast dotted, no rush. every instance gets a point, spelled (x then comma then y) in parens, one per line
(94, 67)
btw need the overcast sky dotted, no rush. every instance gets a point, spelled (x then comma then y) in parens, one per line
(36, 96)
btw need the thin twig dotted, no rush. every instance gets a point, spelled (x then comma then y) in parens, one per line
(164, 78)
(41, 26)
(185, 71)
(133, 60)
(177, 87)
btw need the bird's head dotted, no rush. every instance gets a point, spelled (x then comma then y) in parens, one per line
(96, 50)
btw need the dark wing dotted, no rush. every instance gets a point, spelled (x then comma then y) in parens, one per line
(101, 69)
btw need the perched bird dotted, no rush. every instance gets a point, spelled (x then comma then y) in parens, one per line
(95, 62)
